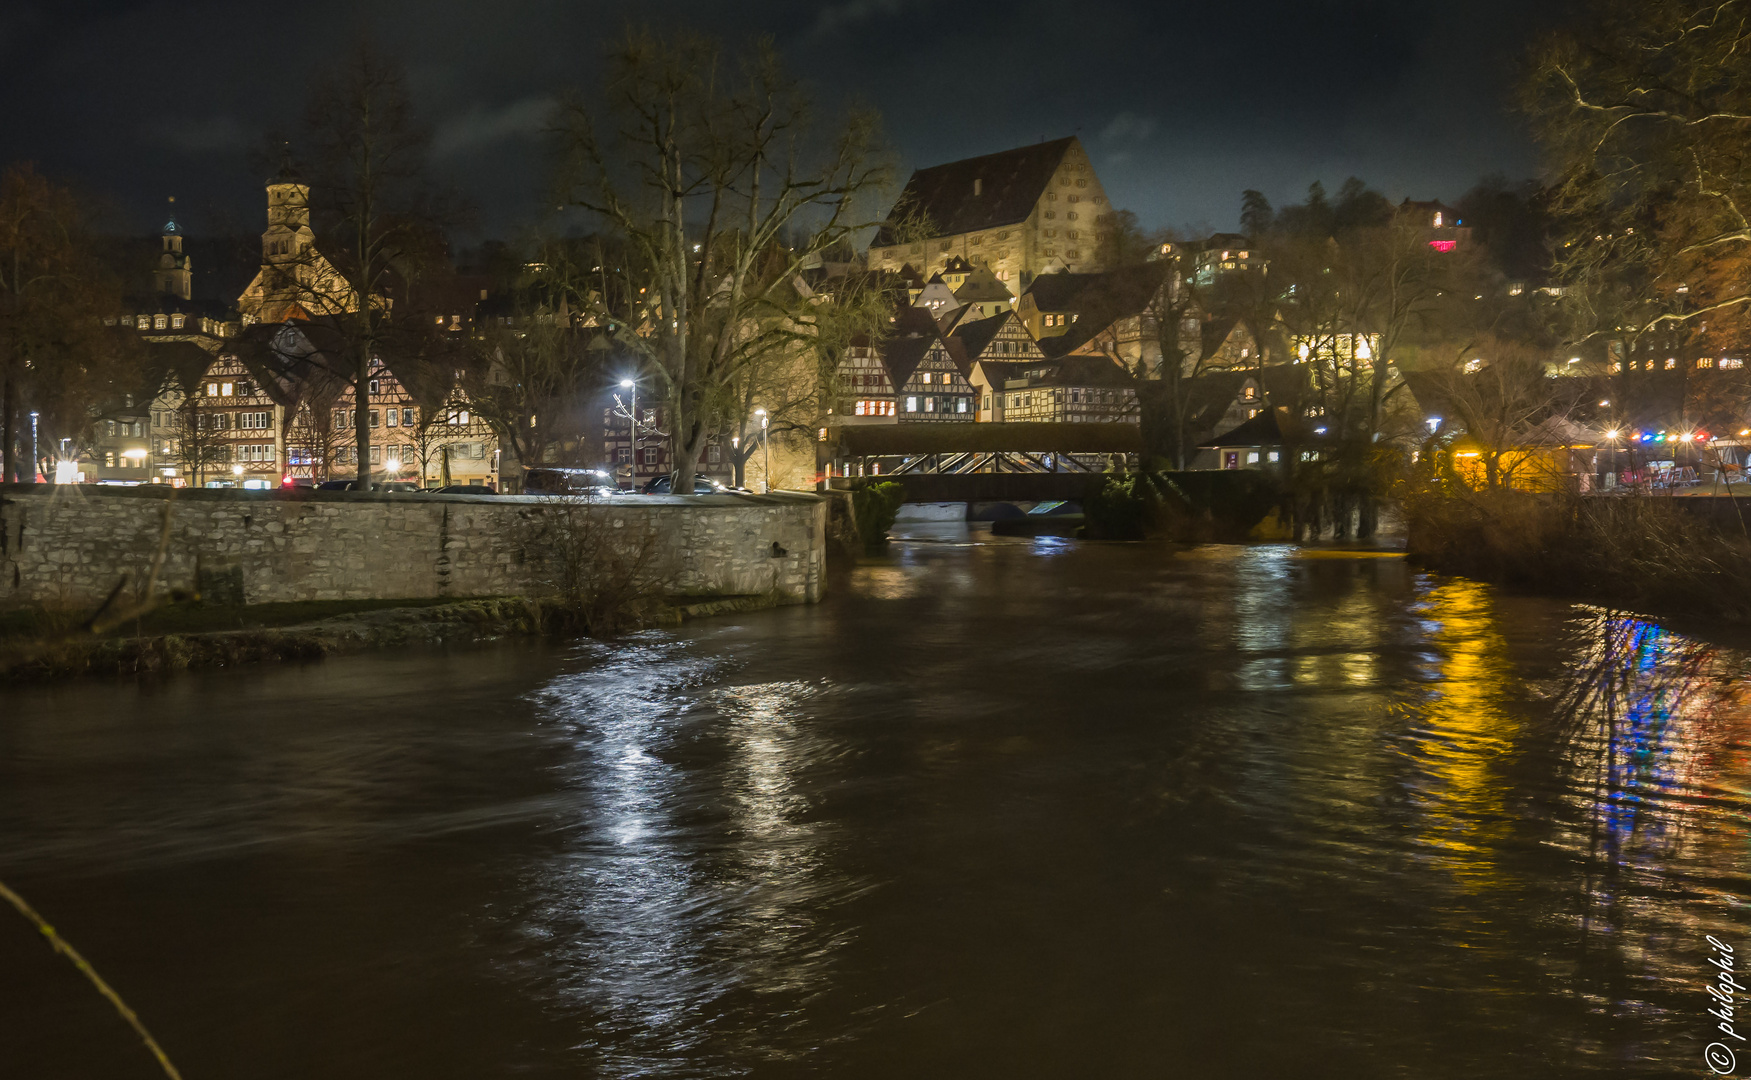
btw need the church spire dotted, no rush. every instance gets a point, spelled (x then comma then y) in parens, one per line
(175, 274)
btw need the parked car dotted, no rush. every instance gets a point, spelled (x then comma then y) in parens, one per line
(663, 485)
(353, 485)
(462, 489)
(558, 481)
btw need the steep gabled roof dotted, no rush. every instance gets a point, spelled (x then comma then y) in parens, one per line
(1102, 300)
(175, 365)
(1058, 291)
(1083, 371)
(1009, 184)
(975, 334)
(1215, 334)
(998, 372)
(914, 331)
(982, 286)
(1261, 430)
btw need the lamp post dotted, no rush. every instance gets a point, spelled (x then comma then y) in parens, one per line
(765, 447)
(632, 418)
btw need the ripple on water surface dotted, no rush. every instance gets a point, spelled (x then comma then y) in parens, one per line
(1020, 808)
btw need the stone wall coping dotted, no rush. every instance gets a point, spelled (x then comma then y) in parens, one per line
(311, 495)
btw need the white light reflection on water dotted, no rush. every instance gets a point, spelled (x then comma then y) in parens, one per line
(693, 877)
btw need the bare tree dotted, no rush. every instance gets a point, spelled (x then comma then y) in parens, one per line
(1646, 110)
(312, 438)
(536, 375)
(793, 380)
(199, 445)
(1502, 401)
(56, 358)
(712, 174)
(365, 290)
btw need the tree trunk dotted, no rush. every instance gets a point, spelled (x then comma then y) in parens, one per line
(362, 417)
(8, 435)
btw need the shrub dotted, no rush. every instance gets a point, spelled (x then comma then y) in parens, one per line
(876, 506)
(602, 574)
(1118, 508)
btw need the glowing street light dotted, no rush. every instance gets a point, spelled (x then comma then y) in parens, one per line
(632, 418)
(765, 446)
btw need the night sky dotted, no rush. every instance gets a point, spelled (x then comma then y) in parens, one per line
(1181, 105)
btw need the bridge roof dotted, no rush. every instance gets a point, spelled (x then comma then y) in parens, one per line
(888, 440)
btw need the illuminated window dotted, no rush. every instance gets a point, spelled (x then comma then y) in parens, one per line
(1616, 366)
(911, 404)
(225, 389)
(1705, 362)
(1671, 363)
(1732, 362)
(176, 322)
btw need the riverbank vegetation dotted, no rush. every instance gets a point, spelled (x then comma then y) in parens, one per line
(1652, 553)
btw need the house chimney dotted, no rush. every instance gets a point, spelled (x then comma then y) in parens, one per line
(977, 185)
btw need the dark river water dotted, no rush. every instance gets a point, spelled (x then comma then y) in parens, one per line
(997, 809)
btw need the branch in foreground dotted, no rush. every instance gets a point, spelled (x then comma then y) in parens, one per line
(60, 945)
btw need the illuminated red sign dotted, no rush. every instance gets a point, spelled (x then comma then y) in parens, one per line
(1443, 245)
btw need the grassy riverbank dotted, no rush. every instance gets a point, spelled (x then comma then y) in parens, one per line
(37, 645)
(1651, 553)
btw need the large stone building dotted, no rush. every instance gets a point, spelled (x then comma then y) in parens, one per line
(1019, 213)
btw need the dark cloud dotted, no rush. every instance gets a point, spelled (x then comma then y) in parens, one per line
(1182, 105)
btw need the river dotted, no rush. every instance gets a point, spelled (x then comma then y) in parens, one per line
(999, 808)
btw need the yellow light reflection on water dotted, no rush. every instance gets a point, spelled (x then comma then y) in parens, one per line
(1465, 733)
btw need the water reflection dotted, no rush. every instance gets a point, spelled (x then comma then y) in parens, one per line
(1656, 725)
(688, 892)
(1465, 730)
(1220, 812)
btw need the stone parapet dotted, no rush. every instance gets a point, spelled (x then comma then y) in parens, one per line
(70, 545)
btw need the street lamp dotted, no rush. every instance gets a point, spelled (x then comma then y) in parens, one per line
(632, 417)
(765, 447)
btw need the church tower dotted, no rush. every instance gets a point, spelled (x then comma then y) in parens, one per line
(175, 275)
(288, 234)
(295, 281)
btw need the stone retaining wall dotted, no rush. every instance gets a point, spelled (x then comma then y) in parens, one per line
(65, 544)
